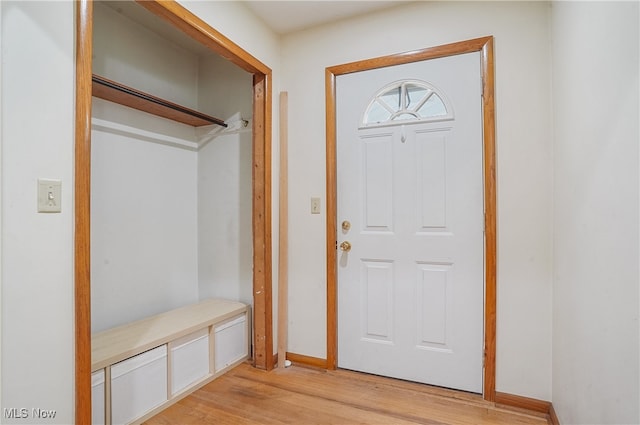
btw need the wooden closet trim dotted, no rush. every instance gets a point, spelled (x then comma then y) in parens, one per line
(82, 202)
(193, 26)
(483, 45)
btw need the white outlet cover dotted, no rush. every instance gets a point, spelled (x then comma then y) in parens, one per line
(49, 196)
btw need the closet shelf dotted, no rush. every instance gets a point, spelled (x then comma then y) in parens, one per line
(127, 96)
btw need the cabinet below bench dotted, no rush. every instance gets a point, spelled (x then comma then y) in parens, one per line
(140, 368)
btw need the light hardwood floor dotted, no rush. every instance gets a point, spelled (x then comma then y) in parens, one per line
(299, 395)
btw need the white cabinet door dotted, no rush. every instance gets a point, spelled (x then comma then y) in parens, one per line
(138, 385)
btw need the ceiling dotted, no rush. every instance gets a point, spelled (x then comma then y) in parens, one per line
(285, 17)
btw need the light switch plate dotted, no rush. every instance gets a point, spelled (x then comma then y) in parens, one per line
(315, 205)
(49, 196)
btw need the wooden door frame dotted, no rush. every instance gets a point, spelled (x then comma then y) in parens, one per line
(483, 45)
(199, 30)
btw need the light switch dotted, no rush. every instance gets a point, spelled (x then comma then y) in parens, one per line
(49, 195)
(315, 205)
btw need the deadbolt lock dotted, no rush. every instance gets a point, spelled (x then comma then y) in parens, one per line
(346, 225)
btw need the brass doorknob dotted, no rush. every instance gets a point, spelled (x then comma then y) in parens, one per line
(345, 246)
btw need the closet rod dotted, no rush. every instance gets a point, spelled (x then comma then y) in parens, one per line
(104, 89)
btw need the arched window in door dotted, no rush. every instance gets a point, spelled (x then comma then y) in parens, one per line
(407, 101)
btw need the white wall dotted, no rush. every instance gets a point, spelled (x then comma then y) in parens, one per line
(225, 236)
(226, 91)
(225, 267)
(524, 168)
(595, 298)
(37, 249)
(144, 224)
(144, 198)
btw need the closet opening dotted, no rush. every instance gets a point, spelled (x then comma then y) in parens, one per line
(168, 212)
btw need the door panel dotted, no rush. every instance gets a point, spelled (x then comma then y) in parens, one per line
(410, 290)
(377, 287)
(434, 306)
(377, 183)
(431, 183)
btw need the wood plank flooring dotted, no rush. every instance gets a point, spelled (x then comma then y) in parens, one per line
(299, 395)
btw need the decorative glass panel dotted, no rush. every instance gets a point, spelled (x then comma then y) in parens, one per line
(403, 101)
(378, 113)
(433, 107)
(392, 98)
(416, 95)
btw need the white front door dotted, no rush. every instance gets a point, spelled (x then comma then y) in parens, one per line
(410, 204)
